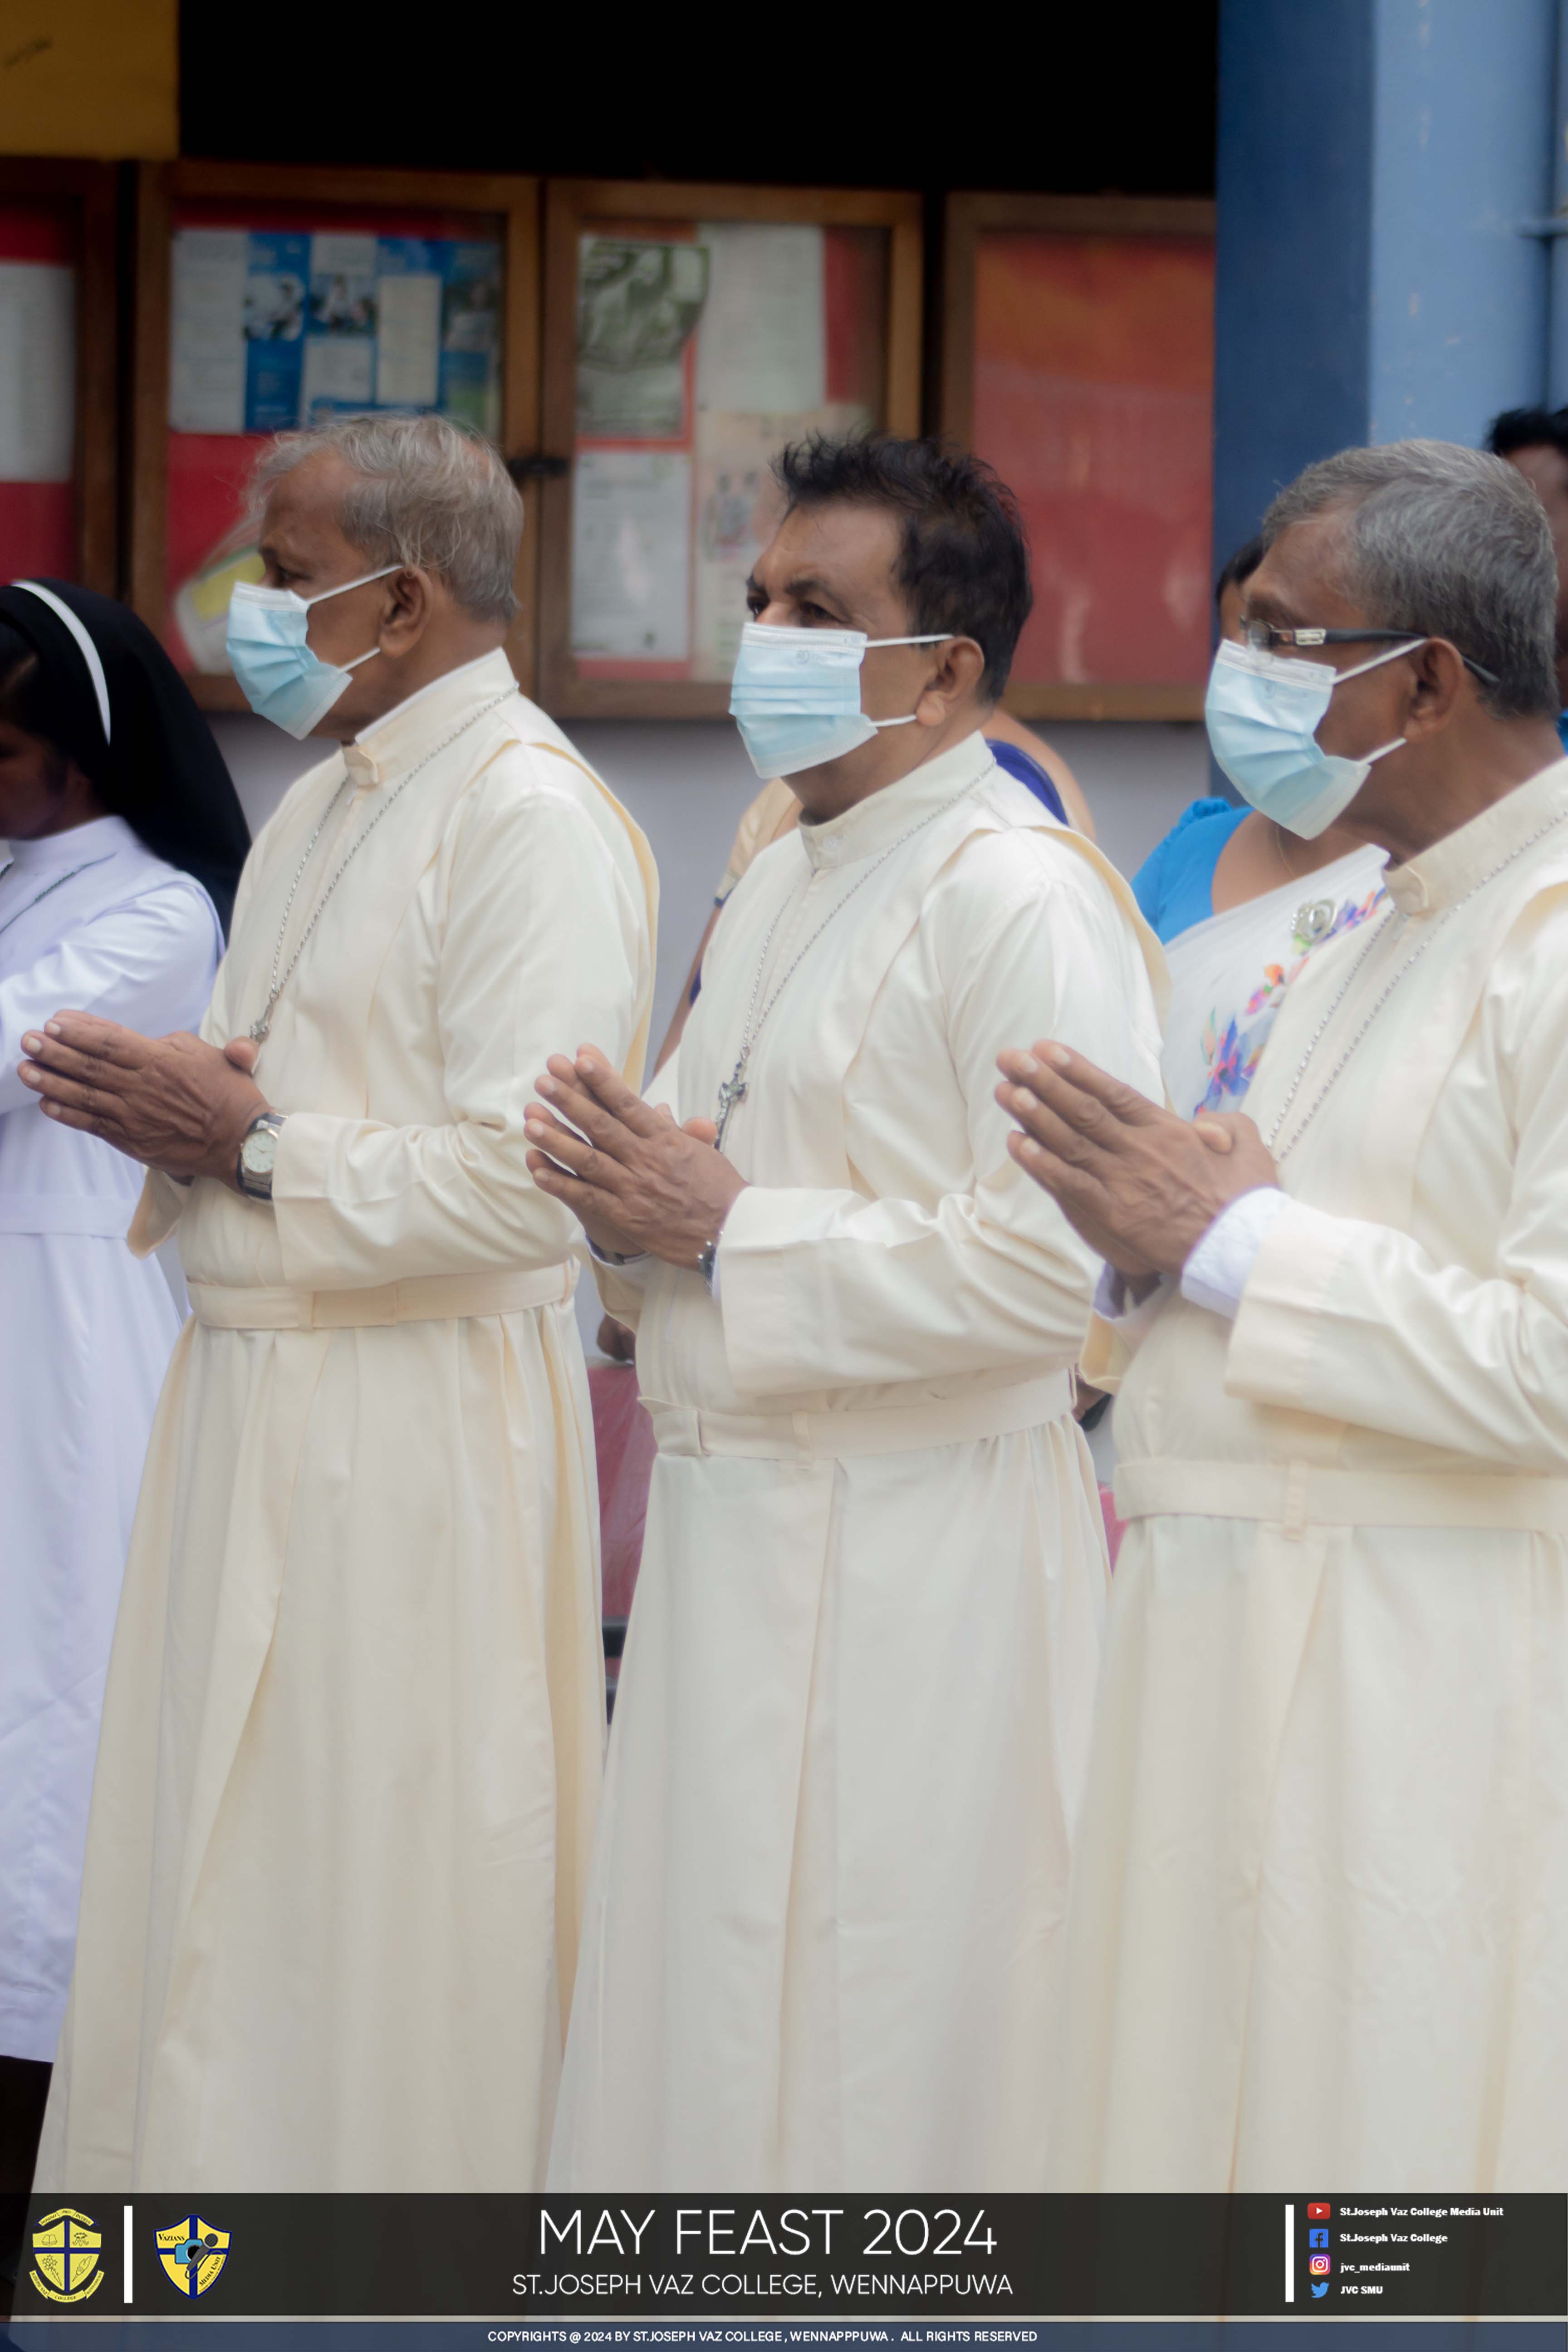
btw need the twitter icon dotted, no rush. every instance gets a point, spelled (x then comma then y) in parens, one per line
(1320, 2287)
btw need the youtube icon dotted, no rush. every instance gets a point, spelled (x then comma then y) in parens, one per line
(1318, 2212)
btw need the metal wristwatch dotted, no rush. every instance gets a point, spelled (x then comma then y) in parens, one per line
(707, 1256)
(258, 1155)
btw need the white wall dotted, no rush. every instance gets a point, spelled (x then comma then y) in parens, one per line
(687, 783)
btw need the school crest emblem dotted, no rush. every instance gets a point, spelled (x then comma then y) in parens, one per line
(66, 2247)
(192, 2253)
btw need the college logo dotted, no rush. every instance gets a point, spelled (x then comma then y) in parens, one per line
(1319, 2265)
(192, 2253)
(66, 2247)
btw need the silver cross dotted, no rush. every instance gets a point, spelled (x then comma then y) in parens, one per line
(730, 1095)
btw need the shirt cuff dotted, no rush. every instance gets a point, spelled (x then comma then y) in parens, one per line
(1216, 1270)
(1129, 1318)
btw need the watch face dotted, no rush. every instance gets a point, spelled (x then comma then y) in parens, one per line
(258, 1152)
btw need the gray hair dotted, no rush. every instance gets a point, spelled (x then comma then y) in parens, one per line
(427, 492)
(1447, 543)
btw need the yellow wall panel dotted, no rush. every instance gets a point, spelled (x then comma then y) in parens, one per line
(96, 78)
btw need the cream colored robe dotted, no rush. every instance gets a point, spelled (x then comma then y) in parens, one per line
(1320, 1920)
(351, 1739)
(821, 1939)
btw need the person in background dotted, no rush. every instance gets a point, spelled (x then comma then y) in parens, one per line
(1240, 903)
(125, 839)
(1535, 443)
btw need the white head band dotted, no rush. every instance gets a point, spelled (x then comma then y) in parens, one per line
(89, 650)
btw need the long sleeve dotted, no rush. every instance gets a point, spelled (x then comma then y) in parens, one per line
(825, 1288)
(543, 948)
(1358, 1322)
(146, 965)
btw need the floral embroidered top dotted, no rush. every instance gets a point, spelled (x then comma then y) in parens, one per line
(1230, 974)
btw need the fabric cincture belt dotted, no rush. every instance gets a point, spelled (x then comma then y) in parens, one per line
(833, 1437)
(427, 1298)
(1298, 1495)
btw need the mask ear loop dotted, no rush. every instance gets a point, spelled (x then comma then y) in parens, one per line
(1392, 652)
(933, 638)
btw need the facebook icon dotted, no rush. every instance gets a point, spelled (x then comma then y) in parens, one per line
(1317, 2237)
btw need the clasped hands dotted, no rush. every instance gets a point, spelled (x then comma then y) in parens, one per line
(1141, 1185)
(637, 1181)
(174, 1103)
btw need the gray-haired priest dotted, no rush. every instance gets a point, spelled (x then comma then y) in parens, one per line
(351, 1739)
(1319, 1928)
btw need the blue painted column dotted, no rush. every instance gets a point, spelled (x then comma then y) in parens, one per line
(1377, 160)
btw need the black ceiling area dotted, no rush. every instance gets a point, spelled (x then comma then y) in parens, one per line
(829, 99)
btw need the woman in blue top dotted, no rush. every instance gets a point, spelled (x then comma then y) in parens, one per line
(1240, 902)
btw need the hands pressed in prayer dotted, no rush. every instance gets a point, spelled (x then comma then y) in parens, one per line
(639, 1183)
(1140, 1184)
(174, 1103)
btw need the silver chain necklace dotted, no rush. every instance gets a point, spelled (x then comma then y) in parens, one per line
(732, 1092)
(1377, 932)
(260, 1027)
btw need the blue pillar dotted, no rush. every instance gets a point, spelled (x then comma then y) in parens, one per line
(1376, 160)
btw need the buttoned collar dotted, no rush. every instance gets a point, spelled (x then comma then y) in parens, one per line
(393, 744)
(1439, 877)
(875, 824)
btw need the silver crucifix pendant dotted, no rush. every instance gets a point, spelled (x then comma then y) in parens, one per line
(730, 1095)
(259, 1028)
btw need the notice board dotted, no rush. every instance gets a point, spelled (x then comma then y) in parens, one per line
(1078, 358)
(270, 299)
(689, 334)
(58, 346)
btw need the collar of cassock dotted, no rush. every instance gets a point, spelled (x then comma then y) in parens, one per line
(874, 825)
(1442, 874)
(386, 750)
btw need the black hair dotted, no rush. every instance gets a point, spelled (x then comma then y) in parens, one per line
(1529, 428)
(1240, 568)
(163, 770)
(964, 561)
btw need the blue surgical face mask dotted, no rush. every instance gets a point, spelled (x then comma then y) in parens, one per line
(269, 653)
(795, 695)
(1263, 712)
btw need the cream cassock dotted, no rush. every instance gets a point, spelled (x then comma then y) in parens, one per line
(1320, 1922)
(352, 1735)
(91, 919)
(820, 1949)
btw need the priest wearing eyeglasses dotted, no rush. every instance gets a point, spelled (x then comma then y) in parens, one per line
(351, 1739)
(1319, 1926)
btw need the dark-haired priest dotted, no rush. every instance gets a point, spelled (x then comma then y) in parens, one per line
(821, 1942)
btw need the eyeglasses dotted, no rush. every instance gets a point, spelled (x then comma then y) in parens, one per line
(1266, 639)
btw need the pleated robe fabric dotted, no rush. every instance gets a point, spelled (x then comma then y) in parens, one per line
(1320, 1919)
(88, 918)
(352, 1731)
(820, 1948)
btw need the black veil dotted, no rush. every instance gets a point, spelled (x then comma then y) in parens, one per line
(157, 766)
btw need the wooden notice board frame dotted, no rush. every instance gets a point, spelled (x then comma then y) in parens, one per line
(967, 214)
(162, 187)
(89, 191)
(568, 204)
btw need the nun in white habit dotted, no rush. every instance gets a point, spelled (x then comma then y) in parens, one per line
(124, 842)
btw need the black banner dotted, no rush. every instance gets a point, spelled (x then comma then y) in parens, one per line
(973, 2260)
